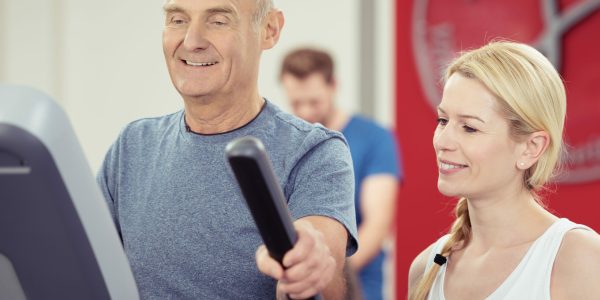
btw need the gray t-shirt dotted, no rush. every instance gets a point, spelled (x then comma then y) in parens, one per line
(185, 227)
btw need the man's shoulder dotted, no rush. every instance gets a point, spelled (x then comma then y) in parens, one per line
(289, 139)
(300, 130)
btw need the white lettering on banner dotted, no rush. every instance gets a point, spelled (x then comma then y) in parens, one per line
(441, 29)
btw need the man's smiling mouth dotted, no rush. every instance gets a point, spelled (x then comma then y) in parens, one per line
(200, 64)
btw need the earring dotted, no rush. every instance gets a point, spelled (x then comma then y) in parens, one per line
(521, 164)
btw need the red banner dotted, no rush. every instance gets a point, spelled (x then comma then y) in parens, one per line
(429, 33)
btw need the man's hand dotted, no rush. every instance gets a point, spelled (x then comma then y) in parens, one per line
(309, 267)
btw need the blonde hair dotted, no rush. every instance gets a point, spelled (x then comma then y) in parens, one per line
(532, 97)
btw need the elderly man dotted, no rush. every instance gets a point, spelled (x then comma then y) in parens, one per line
(182, 219)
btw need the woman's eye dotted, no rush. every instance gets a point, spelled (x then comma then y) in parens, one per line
(469, 129)
(442, 121)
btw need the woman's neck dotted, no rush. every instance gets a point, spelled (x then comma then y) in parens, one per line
(507, 220)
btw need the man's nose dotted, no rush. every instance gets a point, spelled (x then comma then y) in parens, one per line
(195, 38)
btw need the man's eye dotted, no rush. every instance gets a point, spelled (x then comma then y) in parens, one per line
(177, 20)
(219, 20)
(442, 121)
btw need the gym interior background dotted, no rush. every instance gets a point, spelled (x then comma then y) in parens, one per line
(102, 61)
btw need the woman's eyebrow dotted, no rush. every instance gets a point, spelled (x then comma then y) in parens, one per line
(463, 116)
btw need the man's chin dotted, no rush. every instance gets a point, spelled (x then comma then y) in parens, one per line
(193, 91)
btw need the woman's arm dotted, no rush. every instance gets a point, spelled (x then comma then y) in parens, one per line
(576, 271)
(417, 268)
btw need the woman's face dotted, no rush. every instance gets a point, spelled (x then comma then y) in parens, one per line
(475, 153)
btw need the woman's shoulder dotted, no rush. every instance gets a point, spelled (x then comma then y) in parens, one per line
(580, 247)
(420, 263)
(418, 266)
(576, 270)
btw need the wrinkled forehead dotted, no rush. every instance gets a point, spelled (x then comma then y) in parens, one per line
(243, 6)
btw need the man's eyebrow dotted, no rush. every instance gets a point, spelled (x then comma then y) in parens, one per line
(463, 116)
(222, 10)
(172, 8)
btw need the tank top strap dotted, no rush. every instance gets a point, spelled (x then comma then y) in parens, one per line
(437, 248)
(437, 288)
(531, 278)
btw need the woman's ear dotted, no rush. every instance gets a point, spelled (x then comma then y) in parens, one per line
(271, 29)
(535, 146)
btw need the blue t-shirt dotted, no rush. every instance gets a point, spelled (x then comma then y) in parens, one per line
(185, 227)
(374, 151)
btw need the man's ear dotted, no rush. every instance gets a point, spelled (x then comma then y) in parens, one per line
(333, 83)
(535, 145)
(271, 29)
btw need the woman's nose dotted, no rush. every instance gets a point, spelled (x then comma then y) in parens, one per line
(444, 138)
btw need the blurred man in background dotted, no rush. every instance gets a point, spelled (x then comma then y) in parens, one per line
(308, 78)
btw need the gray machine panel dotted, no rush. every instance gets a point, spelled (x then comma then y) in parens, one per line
(55, 229)
(40, 230)
(9, 283)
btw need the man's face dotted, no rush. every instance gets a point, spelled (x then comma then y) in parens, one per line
(311, 98)
(211, 47)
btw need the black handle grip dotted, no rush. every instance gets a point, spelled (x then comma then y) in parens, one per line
(258, 183)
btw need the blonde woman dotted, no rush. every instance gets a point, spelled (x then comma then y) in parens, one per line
(498, 142)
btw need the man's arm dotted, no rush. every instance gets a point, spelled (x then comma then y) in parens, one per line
(377, 205)
(107, 181)
(314, 265)
(321, 193)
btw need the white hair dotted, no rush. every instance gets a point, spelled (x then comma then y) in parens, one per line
(262, 10)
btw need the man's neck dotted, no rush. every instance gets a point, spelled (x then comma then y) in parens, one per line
(213, 116)
(337, 120)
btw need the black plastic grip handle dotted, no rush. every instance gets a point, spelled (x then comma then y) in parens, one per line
(266, 201)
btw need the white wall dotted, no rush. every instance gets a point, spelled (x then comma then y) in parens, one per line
(329, 25)
(102, 60)
(28, 44)
(385, 39)
(113, 71)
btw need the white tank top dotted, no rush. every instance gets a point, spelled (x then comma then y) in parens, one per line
(530, 279)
